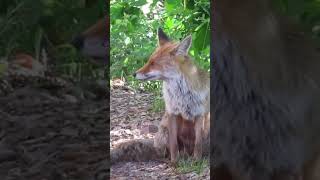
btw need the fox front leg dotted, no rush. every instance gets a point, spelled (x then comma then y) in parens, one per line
(173, 138)
(197, 152)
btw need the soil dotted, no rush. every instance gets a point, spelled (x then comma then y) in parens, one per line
(131, 118)
(52, 134)
(45, 135)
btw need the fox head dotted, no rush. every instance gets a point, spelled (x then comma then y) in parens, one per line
(164, 63)
(92, 42)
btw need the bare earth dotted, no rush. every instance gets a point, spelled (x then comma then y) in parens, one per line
(46, 136)
(132, 118)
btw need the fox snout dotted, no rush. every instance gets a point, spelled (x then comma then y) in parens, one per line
(152, 75)
(78, 42)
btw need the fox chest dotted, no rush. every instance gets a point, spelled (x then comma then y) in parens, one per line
(181, 100)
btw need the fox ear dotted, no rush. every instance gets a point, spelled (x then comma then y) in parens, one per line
(184, 46)
(162, 37)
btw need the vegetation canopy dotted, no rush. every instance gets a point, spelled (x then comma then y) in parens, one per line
(134, 27)
(27, 26)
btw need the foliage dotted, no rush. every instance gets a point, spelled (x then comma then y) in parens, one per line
(188, 164)
(133, 33)
(158, 103)
(27, 24)
(304, 12)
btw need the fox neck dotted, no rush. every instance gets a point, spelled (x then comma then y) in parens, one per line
(179, 83)
(186, 75)
(183, 95)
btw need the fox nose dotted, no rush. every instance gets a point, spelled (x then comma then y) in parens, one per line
(78, 42)
(134, 74)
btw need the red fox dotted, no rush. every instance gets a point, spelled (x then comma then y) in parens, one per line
(266, 95)
(186, 135)
(157, 148)
(186, 91)
(93, 41)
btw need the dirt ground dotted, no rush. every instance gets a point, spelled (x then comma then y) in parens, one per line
(51, 135)
(132, 117)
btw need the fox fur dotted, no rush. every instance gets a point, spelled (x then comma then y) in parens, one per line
(156, 148)
(93, 42)
(266, 96)
(185, 91)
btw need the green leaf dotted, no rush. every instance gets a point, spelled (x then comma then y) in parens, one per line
(138, 3)
(202, 36)
(133, 11)
(169, 23)
(172, 5)
(117, 11)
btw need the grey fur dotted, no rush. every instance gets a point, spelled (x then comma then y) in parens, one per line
(184, 46)
(181, 99)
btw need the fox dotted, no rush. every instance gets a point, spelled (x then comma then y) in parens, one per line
(186, 92)
(186, 137)
(93, 42)
(265, 91)
(157, 148)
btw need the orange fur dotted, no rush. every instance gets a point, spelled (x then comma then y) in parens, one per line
(185, 91)
(158, 60)
(96, 30)
(93, 42)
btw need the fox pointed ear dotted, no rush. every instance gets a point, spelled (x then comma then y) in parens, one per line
(184, 45)
(162, 37)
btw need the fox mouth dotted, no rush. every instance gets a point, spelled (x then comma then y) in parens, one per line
(152, 77)
(146, 77)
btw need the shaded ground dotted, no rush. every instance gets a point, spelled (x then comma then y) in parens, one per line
(51, 134)
(55, 133)
(132, 117)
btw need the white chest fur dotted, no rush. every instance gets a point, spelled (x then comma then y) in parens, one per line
(180, 99)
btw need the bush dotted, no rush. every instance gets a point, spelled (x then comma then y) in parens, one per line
(133, 33)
